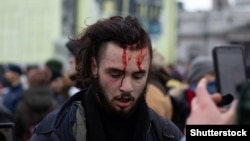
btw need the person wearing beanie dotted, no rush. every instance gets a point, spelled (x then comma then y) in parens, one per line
(54, 64)
(200, 67)
(14, 68)
(12, 92)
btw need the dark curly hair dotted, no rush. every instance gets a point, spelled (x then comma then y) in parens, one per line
(127, 32)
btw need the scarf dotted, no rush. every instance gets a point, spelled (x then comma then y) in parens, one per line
(95, 119)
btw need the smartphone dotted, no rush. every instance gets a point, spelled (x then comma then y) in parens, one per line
(7, 131)
(230, 69)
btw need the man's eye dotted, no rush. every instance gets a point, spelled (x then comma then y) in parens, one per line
(116, 75)
(138, 76)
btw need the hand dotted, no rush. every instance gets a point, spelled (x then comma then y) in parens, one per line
(205, 110)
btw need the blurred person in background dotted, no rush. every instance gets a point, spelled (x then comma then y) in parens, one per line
(2, 78)
(5, 113)
(200, 67)
(113, 66)
(35, 103)
(157, 95)
(56, 84)
(14, 88)
(174, 72)
(24, 77)
(55, 66)
(70, 76)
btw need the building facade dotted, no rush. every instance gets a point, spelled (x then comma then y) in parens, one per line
(199, 32)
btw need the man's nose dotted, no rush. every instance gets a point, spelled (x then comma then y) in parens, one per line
(126, 85)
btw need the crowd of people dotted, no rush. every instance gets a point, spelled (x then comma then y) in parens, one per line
(28, 94)
(118, 88)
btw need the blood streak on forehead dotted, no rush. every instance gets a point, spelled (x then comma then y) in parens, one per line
(126, 57)
(124, 62)
(141, 55)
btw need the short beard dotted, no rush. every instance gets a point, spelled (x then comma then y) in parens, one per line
(105, 104)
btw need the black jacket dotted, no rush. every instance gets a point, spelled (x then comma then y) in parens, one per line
(57, 126)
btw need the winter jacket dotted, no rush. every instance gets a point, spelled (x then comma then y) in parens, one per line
(12, 96)
(34, 105)
(67, 123)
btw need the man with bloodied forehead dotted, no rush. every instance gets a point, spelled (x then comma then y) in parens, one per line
(113, 65)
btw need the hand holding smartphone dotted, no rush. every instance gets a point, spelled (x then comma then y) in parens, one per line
(230, 70)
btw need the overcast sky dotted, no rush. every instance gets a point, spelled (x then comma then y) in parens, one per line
(194, 5)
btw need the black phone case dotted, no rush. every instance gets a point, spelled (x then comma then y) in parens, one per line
(227, 98)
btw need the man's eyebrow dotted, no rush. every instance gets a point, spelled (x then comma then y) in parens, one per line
(119, 70)
(114, 70)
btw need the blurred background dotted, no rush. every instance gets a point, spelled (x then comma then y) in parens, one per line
(34, 31)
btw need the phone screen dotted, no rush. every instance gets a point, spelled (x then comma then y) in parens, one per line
(7, 132)
(230, 69)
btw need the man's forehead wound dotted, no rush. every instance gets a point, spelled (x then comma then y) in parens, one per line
(140, 55)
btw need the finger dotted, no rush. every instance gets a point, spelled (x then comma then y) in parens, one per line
(194, 104)
(201, 92)
(230, 114)
(217, 98)
(223, 110)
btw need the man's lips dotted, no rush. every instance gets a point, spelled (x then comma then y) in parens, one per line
(123, 102)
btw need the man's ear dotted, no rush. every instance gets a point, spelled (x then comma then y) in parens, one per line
(94, 67)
